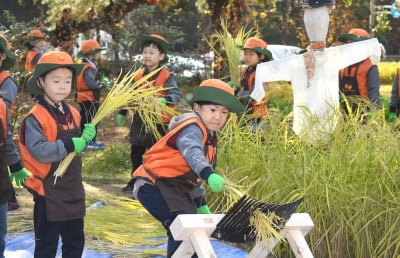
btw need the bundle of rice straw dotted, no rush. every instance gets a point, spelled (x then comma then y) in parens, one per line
(264, 226)
(226, 42)
(137, 96)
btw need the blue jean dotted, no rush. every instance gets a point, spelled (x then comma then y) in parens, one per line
(151, 198)
(3, 228)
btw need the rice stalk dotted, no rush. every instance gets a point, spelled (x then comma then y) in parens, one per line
(19, 221)
(122, 221)
(224, 42)
(264, 226)
(124, 93)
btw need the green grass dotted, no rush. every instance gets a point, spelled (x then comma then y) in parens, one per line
(349, 181)
(111, 164)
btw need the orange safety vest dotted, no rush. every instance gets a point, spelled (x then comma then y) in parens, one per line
(83, 93)
(3, 112)
(3, 76)
(164, 161)
(6, 192)
(30, 57)
(50, 128)
(259, 109)
(160, 81)
(357, 72)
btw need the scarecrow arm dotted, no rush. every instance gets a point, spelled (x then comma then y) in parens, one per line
(279, 70)
(352, 53)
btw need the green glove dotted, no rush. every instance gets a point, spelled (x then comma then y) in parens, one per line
(392, 117)
(203, 210)
(20, 176)
(230, 83)
(104, 79)
(120, 120)
(89, 132)
(163, 101)
(215, 182)
(79, 144)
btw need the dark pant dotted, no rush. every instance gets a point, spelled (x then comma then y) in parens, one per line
(137, 152)
(88, 111)
(47, 234)
(152, 199)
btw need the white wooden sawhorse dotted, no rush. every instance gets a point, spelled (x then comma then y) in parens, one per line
(195, 230)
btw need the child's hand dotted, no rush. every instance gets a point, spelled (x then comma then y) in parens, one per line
(203, 210)
(392, 117)
(89, 132)
(19, 176)
(162, 101)
(120, 120)
(215, 182)
(79, 144)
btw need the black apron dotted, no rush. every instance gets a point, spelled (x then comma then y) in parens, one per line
(348, 83)
(348, 86)
(65, 200)
(5, 184)
(176, 191)
(142, 136)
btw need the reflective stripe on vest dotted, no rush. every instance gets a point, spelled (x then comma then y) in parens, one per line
(3, 117)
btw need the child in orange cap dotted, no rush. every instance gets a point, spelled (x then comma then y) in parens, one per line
(88, 86)
(9, 157)
(8, 93)
(360, 79)
(48, 133)
(255, 52)
(35, 43)
(154, 51)
(169, 181)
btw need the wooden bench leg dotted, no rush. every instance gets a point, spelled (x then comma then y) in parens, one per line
(298, 244)
(185, 250)
(200, 243)
(259, 250)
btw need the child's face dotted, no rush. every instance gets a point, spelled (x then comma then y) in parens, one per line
(57, 84)
(251, 57)
(39, 44)
(214, 116)
(97, 56)
(152, 57)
